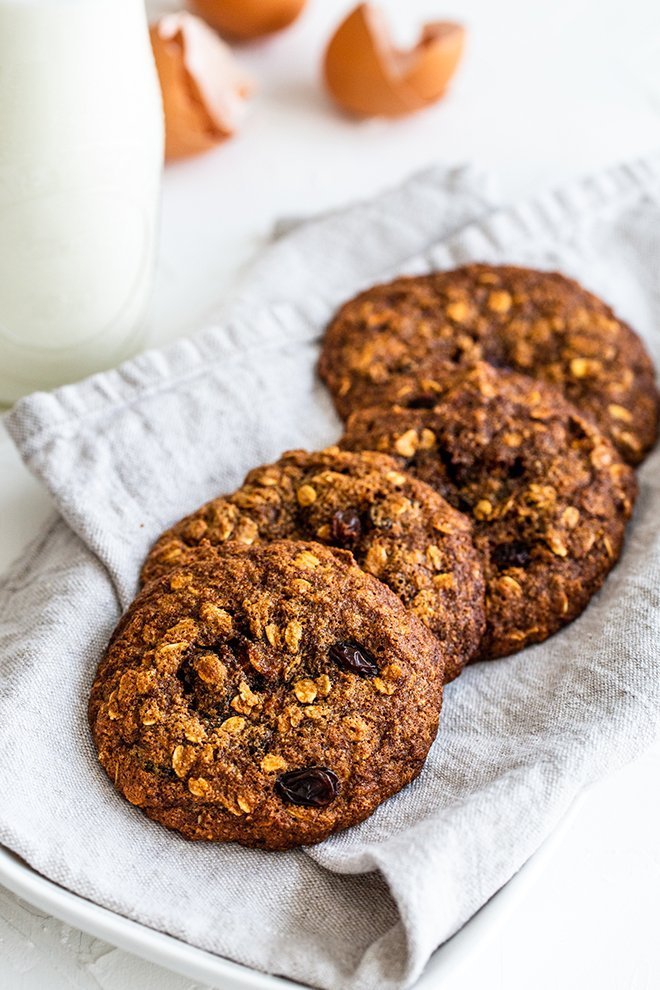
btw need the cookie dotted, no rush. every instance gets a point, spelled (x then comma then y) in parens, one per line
(548, 493)
(539, 323)
(396, 527)
(269, 695)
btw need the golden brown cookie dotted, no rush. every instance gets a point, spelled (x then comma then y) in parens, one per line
(396, 527)
(548, 493)
(539, 323)
(269, 695)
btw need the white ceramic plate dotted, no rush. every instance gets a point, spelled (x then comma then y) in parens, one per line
(204, 967)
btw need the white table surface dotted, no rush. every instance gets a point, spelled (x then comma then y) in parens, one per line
(547, 91)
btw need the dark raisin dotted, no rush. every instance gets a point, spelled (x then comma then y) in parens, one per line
(258, 682)
(423, 400)
(458, 472)
(576, 429)
(187, 676)
(499, 361)
(517, 468)
(345, 528)
(312, 787)
(463, 505)
(354, 658)
(513, 554)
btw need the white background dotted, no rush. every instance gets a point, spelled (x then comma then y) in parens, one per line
(547, 91)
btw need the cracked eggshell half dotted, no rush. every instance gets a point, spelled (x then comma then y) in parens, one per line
(367, 76)
(204, 89)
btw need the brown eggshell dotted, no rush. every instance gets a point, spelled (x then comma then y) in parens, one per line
(435, 60)
(247, 19)
(204, 90)
(368, 76)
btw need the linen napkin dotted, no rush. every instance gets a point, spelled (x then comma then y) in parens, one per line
(127, 452)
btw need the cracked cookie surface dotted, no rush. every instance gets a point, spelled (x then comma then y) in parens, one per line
(548, 493)
(539, 323)
(269, 695)
(396, 527)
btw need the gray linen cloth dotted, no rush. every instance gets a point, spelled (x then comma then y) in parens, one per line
(127, 452)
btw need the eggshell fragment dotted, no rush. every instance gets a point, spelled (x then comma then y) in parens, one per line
(368, 76)
(204, 90)
(246, 19)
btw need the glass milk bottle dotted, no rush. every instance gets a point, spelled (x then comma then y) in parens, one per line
(81, 152)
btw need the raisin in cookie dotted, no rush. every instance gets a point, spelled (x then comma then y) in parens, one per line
(547, 491)
(268, 695)
(540, 323)
(396, 527)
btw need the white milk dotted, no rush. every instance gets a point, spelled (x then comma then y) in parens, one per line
(81, 150)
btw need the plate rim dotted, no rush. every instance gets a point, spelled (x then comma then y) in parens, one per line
(200, 964)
